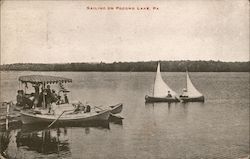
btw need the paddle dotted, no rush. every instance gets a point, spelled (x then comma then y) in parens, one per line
(58, 118)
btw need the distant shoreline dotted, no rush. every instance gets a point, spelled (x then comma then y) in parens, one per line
(147, 66)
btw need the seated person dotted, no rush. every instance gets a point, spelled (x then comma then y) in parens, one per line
(169, 94)
(184, 93)
(59, 101)
(88, 109)
(77, 108)
(27, 103)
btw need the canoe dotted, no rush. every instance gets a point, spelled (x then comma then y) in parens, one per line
(28, 117)
(192, 99)
(115, 109)
(150, 99)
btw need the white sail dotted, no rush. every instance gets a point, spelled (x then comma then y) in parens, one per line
(191, 90)
(161, 88)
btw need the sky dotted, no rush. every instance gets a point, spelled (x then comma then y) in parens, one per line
(66, 31)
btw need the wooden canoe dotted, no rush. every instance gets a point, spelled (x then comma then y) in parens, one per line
(115, 109)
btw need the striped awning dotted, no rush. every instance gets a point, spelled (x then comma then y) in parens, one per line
(43, 79)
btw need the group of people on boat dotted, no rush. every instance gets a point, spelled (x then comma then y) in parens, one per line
(79, 107)
(45, 97)
(23, 99)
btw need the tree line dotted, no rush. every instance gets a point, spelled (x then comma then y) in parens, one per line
(145, 66)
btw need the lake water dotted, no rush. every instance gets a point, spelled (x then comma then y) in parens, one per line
(218, 128)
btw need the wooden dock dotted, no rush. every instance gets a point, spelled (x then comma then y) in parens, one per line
(8, 116)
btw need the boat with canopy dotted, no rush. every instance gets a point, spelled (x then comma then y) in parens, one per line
(190, 93)
(48, 106)
(161, 92)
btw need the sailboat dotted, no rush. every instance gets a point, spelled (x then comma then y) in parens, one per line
(162, 92)
(191, 94)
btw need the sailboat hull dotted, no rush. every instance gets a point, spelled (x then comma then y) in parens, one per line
(150, 99)
(192, 99)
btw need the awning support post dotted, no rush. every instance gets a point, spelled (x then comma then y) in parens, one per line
(44, 104)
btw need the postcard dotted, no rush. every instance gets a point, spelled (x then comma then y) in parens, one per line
(124, 79)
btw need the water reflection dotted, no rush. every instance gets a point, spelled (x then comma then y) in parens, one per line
(45, 142)
(149, 105)
(36, 137)
(116, 120)
(185, 107)
(192, 103)
(4, 142)
(42, 126)
(169, 108)
(168, 105)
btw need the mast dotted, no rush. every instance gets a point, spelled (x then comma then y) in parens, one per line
(186, 80)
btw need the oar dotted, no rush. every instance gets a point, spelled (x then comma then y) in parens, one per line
(98, 107)
(58, 118)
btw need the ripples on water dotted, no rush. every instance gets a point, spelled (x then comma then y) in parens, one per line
(218, 128)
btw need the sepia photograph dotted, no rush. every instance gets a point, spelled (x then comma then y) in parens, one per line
(124, 79)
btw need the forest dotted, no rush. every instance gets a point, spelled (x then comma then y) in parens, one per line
(143, 66)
